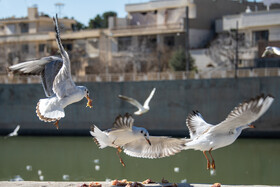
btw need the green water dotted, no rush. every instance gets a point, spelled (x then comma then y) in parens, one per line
(247, 161)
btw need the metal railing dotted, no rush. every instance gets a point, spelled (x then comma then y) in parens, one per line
(151, 76)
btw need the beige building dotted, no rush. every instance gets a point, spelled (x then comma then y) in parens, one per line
(143, 41)
(28, 38)
(256, 29)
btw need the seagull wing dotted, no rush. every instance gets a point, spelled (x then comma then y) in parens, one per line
(63, 83)
(146, 103)
(47, 67)
(245, 113)
(196, 124)
(123, 122)
(161, 146)
(131, 101)
(14, 133)
(17, 129)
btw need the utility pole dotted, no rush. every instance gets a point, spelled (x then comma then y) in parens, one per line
(59, 7)
(236, 50)
(187, 44)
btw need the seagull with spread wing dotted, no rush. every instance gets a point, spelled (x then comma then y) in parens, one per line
(141, 108)
(57, 82)
(206, 137)
(15, 132)
(135, 141)
(271, 50)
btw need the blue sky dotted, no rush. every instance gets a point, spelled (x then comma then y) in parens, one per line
(81, 10)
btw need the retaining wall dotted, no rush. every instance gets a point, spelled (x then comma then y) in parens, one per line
(172, 102)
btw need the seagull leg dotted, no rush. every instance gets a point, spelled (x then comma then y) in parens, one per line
(213, 161)
(118, 153)
(56, 124)
(208, 161)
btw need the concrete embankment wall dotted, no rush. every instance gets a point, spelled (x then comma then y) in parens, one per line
(172, 102)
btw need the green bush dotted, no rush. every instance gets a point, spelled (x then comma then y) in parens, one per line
(177, 61)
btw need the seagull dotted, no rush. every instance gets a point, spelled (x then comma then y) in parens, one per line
(135, 141)
(141, 109)
(15, 132)
(206, 137)
(271, 50)
(57, 82)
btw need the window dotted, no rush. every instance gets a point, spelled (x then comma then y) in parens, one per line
(94, 43)
(24, 27)
(124, 43)
(41, 48)
(260, 35)
(147, 43)
(24, 48)
(11, 29)
(68, 47)
(169, 41)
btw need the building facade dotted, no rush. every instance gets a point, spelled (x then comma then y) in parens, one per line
(143, 41)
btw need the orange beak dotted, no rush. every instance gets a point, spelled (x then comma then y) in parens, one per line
(252, 126)
(89, 103)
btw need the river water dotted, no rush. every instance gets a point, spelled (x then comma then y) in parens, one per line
(247, 161)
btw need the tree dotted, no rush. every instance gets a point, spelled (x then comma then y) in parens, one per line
(177, 61)
(78, 26)
(106, 16)
(95, 23)
(101, 21)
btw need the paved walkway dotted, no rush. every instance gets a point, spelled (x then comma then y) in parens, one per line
(104, 184)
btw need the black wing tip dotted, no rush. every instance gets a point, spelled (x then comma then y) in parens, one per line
(270, 95)
(128, 115)
(92, 128)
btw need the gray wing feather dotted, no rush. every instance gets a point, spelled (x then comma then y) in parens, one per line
(63, 83)
(196, 124)
(245, 113)
(47, 67)
(48, 75)
(123, 122)
(160, 147)
(131, 101)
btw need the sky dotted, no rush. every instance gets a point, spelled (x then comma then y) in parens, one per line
(81, 10)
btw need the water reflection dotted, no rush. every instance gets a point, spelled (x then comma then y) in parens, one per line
(247, 161)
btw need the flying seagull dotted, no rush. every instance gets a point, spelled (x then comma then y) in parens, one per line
(135, 141)
(57, 82)
(141, 109)
(271, 50)
(15, 132)
(206, 137)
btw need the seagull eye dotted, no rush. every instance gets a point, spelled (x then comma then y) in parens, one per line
(145, 134)
(141, 132)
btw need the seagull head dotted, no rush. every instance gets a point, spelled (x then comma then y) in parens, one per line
(268, 50)
(143, 132)
(86, 95)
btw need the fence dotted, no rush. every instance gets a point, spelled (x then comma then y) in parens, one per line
(151, 76)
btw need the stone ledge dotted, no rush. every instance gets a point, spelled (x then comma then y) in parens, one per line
(104, 184)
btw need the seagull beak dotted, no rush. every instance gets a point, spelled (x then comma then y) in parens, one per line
(89, 103)
(251, 126)
(149, 142)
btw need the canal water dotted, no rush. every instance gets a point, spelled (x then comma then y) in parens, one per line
(247, 161)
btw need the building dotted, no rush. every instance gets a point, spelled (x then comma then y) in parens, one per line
(28, 38)
(143, 41)
(256, 30)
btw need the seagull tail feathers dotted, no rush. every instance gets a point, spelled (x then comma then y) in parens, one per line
(100, 138)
